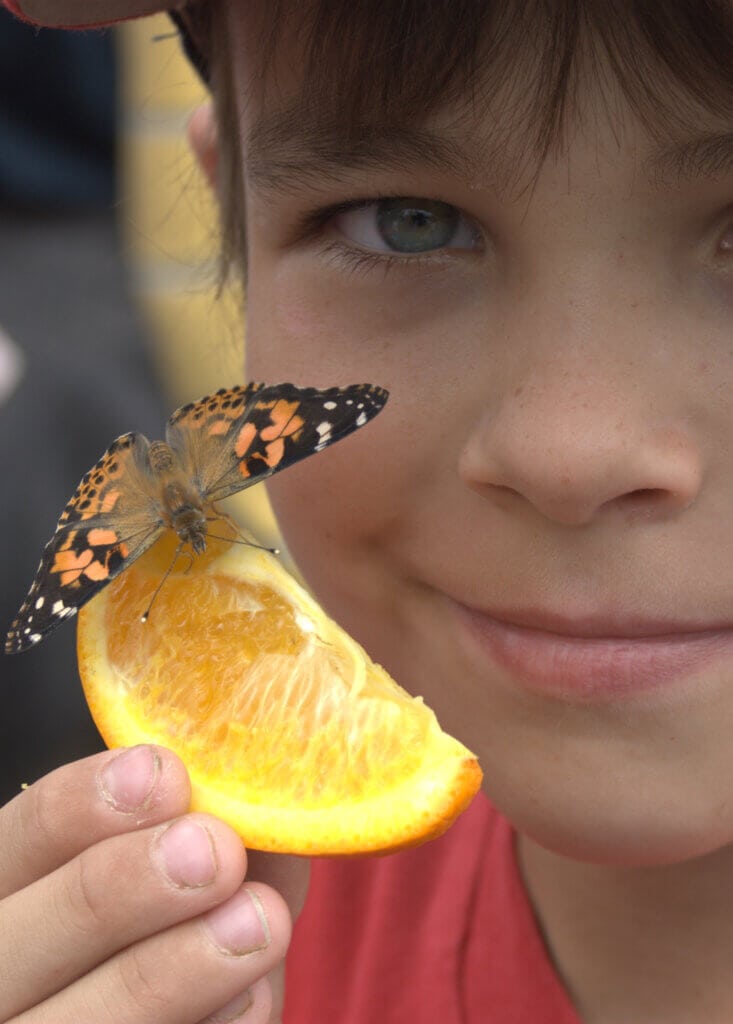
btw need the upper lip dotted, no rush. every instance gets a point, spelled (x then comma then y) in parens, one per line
(597, 625)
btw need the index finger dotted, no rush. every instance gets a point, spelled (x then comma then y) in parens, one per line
(82, 803)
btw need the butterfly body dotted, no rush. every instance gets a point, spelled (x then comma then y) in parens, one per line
(181, 502)
(139, 489)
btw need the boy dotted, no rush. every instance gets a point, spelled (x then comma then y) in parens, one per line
(517, 218)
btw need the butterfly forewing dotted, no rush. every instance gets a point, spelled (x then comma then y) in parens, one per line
(232, 446)
(220, 444)
(109, 521)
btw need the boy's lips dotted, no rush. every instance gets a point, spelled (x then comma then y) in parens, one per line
(592, 657)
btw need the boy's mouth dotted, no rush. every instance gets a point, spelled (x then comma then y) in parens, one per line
(591, 657)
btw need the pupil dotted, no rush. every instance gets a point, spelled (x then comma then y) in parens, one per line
(416, 225)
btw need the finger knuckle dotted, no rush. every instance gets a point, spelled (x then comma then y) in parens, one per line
(41, 808)
(80, 903)
(141, 986)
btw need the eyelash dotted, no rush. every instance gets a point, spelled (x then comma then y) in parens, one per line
(362, 260)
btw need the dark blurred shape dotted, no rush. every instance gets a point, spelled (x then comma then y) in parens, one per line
(79, 370)
(57, 116)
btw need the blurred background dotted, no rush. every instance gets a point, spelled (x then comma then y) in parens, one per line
(109, 315)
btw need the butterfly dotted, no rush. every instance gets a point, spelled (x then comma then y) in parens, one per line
(214, 447)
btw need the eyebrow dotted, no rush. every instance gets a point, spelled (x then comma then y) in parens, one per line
(293, 151)
(708, 156)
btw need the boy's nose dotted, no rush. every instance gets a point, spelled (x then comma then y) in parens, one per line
(575, 457)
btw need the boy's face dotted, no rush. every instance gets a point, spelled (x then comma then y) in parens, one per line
(551, 482)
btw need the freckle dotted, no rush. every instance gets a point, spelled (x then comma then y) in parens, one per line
(518, 391)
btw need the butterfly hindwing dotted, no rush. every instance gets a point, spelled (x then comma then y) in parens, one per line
(108, 522)
(271, 427)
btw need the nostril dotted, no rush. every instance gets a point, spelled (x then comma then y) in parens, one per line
(644, 495)
(645, 503)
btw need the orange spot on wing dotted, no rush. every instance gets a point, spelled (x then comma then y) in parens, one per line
(99, 536)
(284, 420)
(218, 427)
(109, 501)
(245, 437)
(69, 560)
(274, 452)
(67, 578)
(96, 571)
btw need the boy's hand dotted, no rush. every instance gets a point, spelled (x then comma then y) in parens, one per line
(117, 907)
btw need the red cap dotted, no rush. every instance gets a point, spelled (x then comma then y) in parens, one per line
(83, 13)
(96, 13)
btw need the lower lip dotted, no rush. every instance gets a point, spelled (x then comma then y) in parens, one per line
(592, 668)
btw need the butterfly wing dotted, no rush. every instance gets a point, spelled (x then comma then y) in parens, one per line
(112, 517)
(242, 435)
(201, 433)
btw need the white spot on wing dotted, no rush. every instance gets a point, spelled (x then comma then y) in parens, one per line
(40, 602)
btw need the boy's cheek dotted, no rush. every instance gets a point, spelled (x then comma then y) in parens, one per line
(320, 326)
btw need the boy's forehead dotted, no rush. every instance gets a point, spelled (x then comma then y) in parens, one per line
(300, 127)
(318, 99)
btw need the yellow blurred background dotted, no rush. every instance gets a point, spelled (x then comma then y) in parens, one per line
(169, 226)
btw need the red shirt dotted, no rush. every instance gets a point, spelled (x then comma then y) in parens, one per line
(443, 934)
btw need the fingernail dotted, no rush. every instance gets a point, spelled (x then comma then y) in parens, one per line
(239, 926)
(188, 853)
(127, 782)
(233, 1011)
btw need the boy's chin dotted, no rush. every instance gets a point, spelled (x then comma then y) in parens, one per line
(628, 832)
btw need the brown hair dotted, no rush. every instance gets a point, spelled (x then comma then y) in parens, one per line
(394, 60)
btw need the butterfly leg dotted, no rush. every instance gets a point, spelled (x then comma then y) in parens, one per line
(176, 553)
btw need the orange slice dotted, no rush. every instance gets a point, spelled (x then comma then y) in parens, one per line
(289, 732)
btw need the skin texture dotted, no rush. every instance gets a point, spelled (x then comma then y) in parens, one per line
(557, 438)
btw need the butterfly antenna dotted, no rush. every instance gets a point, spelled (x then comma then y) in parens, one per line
(249, 543)
(243, 539)
(146, 613)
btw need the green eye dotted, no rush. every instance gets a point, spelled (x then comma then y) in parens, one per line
(416, 225)
(406, 225)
